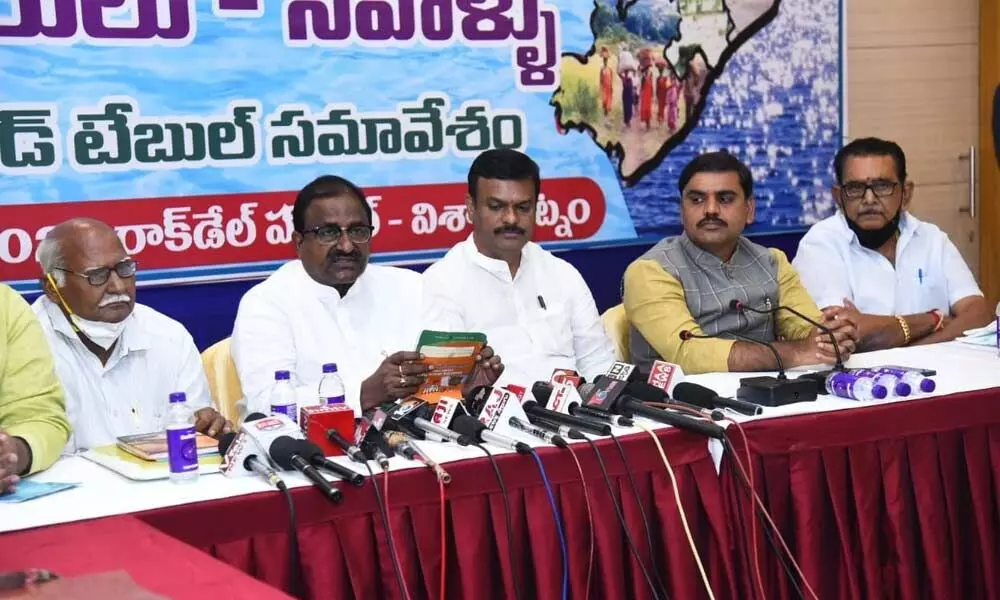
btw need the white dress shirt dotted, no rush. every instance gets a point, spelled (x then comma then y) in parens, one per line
(154, 357)
(291, 322)
(541, 319)
(929, 272)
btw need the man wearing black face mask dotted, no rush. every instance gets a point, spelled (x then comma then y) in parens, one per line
(332, 306)
(902, 280)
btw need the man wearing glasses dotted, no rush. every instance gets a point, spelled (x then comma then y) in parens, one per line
(118, 361)
(331, 306)
(902, 280)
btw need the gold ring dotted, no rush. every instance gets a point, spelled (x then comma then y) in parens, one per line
(400, 370)
(402, 381)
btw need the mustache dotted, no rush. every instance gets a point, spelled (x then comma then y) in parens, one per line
(333, 255)
(509, 229)
(870, 211)
(113, 299)
(712, 221)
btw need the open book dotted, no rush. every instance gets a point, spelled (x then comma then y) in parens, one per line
(453, 358)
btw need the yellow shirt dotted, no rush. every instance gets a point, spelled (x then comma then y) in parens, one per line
(32, 406)
(657, 308)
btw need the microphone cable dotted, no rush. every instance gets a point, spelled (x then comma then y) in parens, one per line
(638, 503)
(559, 527)
(657, 593)
(767, 517)
(507, 520)
(590, 521)
(294, 555)
(383, 509)
(680, 509)
(444, 543)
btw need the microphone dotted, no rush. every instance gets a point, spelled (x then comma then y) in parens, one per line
(608, 394)
(738, 306)
(534, 409)
(349, 448)
(442, 432)
(699, 395)
(319, 460)
(653, 394)
(470, 426)
(373, 443)
(546, 436)
(286, 452)
(401, 443)
(252, 463)
(765, 390)
(566, 399)
(562, 430)
(317, 421)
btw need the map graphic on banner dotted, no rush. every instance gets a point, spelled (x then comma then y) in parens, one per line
(189, 126)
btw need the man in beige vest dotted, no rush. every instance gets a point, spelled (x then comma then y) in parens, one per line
(687, 283)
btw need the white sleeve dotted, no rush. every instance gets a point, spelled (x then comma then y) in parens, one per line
(441, 310)
(961, 283)
(822, 272)
(262, 344)
(590, 342)
(191, 376)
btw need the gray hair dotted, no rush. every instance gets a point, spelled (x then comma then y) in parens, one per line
(50, 256)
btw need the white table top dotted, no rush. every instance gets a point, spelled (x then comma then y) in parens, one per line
(103, 493)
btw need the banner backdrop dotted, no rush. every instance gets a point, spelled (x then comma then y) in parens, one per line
(189, 126)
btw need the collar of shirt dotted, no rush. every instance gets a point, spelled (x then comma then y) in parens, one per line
(498, 268)
(329, 296)
(705, 258)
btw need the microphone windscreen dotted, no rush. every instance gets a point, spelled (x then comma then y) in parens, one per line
(310, 449)
(254, 417)
(467, 425)
(542, 391)
(225, 441)
(646, 392)
(282, 449)
(692, 393)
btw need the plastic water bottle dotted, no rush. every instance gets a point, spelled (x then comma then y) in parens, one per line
(891, 381)
(916, 380)
(182, 444)
(331, 387)
(283, 396)
(848, 385)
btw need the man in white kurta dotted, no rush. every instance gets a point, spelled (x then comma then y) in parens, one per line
(535, 309)
(902, 277)
(331, 306)
(117, 360)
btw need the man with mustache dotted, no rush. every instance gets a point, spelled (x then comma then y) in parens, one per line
(118, 361)
(331, 306)
(687, 282)
(536, 309)
(902, 280)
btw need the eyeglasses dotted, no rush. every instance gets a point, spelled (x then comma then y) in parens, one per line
(330, 234)
(856, 190)
(98, 276)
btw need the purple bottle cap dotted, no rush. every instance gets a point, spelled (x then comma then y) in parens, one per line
(282, 376)
(879, 392)
(903, 389)
(178, 397)
(927, 385)
(330, 368)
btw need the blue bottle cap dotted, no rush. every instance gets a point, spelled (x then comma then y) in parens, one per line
(903, 389)
(879, 392)
(282, 375)
(178, 397)
(927, 385)
(330, 368)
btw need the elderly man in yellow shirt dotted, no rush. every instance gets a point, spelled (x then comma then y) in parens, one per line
(33, 423)
(686, 283)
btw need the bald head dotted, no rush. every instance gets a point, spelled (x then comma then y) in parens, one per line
(76, 249)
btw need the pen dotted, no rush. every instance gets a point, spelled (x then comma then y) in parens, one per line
(920, 276)
(541, 302)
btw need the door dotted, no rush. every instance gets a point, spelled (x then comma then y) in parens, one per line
(913, 77)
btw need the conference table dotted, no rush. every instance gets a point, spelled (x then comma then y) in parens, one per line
(888, 499)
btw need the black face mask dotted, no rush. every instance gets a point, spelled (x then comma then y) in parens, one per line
(873, 239)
